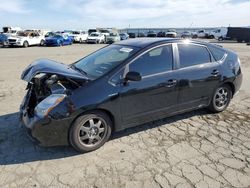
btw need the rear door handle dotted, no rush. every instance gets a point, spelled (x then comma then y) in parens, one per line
(215, 72)
(171, 83)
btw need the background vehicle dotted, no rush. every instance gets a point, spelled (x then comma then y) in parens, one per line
(92, 31)
(141, 34)
(3, 40)
(132, 35)
(219, 34)
(96, 38)
(123, 85)
(151, 34)
(79, 36)
(186, 34)
(58, 40)
(124, 36)
(161, 34)
(11, 30)
(171, 33)
(200, 34)
(240, 34)
(26, 38)
(113, 37)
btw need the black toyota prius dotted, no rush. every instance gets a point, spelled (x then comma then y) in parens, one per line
(123, 85)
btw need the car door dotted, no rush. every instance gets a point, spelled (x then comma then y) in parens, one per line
(199, 75)
(156, 94)
(31, 38)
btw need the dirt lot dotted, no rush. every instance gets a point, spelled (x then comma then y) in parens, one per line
(195, 149)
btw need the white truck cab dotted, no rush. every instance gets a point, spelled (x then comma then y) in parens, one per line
(219, 34)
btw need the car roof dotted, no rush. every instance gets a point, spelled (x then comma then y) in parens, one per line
(144, 42)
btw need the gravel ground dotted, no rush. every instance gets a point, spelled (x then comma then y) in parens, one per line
(195, 149)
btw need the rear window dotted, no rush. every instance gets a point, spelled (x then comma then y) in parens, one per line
(217, 52)
(193, 55)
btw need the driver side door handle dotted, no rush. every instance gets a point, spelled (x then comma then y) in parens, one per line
(171, 83)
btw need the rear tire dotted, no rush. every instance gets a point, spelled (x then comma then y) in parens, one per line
(90, 131)
(42, 43)
(221, 99)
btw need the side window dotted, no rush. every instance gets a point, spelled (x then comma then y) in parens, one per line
(217, 52)
(193, 55)
(155, 61)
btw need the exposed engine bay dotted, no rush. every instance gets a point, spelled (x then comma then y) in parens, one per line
(43, 84)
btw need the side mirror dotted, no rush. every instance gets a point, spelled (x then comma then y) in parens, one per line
(133, 76)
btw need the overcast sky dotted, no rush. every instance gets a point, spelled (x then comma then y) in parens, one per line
(84, 14)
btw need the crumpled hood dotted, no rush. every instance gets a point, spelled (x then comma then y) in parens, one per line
(53, 67)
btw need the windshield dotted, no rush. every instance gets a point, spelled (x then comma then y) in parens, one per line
(104, 60)
(94, 34)
(76, 32)
(57, 36)
(23, 34)
(113, 34)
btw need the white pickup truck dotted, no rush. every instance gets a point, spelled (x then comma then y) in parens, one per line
(219, 34)
(26, 39)
(79, 36)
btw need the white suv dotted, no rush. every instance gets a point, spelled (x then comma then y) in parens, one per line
(79, 36)
(26, 38)
(96, 37)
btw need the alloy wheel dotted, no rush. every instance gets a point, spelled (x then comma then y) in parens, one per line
(92, 132)
(221, 98)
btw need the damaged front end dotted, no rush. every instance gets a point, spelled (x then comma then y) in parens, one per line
(47, 106)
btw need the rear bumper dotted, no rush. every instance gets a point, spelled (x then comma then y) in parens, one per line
(237, 83)
(46, 131)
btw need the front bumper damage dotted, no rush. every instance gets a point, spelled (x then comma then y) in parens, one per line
(45, 131)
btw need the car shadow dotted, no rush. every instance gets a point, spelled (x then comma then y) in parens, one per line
(17, 148)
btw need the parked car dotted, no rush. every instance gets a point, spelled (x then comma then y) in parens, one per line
(58, 40)
(151, 34)
(200, 34)
(26, 39)
(219, 34)
(141, 34)
(79, 36)
(124, 36)
(171, 33)
(3, 40)
(132, 35)
(96, 38)
(186, 34)
(161, 34)
(51, 34)
(113, 37)
(11, 30)
(123, 85)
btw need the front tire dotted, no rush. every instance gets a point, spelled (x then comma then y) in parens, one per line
(90, 131)
(25, 44)
(221, 99)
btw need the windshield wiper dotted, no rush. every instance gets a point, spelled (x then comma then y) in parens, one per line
(78, 69)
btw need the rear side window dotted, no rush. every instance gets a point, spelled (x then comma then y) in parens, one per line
(217, 52)
(193, 55)
(155, 61)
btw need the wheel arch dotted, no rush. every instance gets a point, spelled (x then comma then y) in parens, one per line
(231, 85)
(107, 112)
